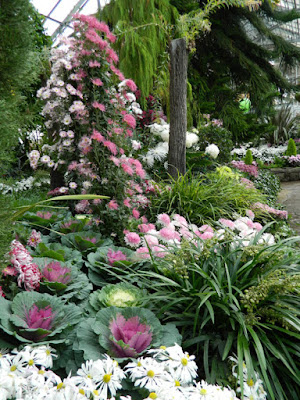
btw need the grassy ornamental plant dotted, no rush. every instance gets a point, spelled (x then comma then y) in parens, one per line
(205, 198)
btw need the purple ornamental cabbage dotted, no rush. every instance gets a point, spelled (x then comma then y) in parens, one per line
(54, 272)
(129, 337)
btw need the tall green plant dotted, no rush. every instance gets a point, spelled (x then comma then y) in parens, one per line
(204, 198)
(21, 46)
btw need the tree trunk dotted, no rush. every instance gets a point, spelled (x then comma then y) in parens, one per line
(178, 109)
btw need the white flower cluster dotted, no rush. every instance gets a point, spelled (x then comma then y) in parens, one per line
(130, 100)
(253, 389)
(168, 375)
(264, 152)
(160, 151)
(24, 184)
(212, 150)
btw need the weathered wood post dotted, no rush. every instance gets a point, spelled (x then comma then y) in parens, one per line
(178, 110)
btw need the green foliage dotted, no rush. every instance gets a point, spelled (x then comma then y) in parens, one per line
(22, 64)
(204, 198)
(219, 136)
(285, 123)
(291, 149)
(143, 29)
(268, 184)
(248, 157)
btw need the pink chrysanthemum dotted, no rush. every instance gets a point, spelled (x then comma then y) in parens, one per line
(164, 219)
(144, 228)
(130, 120)
(135, 213)
(132, 239)
(126, 203)
(227, 222)
(111, 147)
(167, 234)
(97, 136)
(131, 85)
(143, 252)
(113, 205)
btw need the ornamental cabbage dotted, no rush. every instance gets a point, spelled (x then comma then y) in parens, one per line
(37, 317)
(123, 332)
(117, 295)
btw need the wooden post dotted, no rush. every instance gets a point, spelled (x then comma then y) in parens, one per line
(178, 110)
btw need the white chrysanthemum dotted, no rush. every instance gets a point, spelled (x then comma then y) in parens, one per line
(165, 135)
(149, 160)
(191, 139)
(267, 238)
(136, 145)
(105, 374)
(212, 150)
(205, 391)
(147, 373)
(159, 152)
(184, 366)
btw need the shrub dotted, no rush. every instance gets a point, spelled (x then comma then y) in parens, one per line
(248, 158)
(206, 198)
(269, 184)
(292, 149)
(220, 137)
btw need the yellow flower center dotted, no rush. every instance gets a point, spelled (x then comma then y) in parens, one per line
(139, 364)
(203, 391)
(48, 352)
(96, 392)
(250, 382)
(106, 378)
(163, 347)
(30, 362)
(184, 362)
(177, 383)
(89, 376)
(60, 386)
(41, 372)
(13, 368)
(152, 395)
(81, 391)
(151, 374)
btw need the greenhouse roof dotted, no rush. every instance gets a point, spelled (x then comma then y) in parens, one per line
(58, 13)
(289, 30)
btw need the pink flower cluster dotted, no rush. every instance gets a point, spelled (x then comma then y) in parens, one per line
(293, 160)
(282, 214)
(249, 169)
(247, 183)
(170, 231)
(22, 265)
